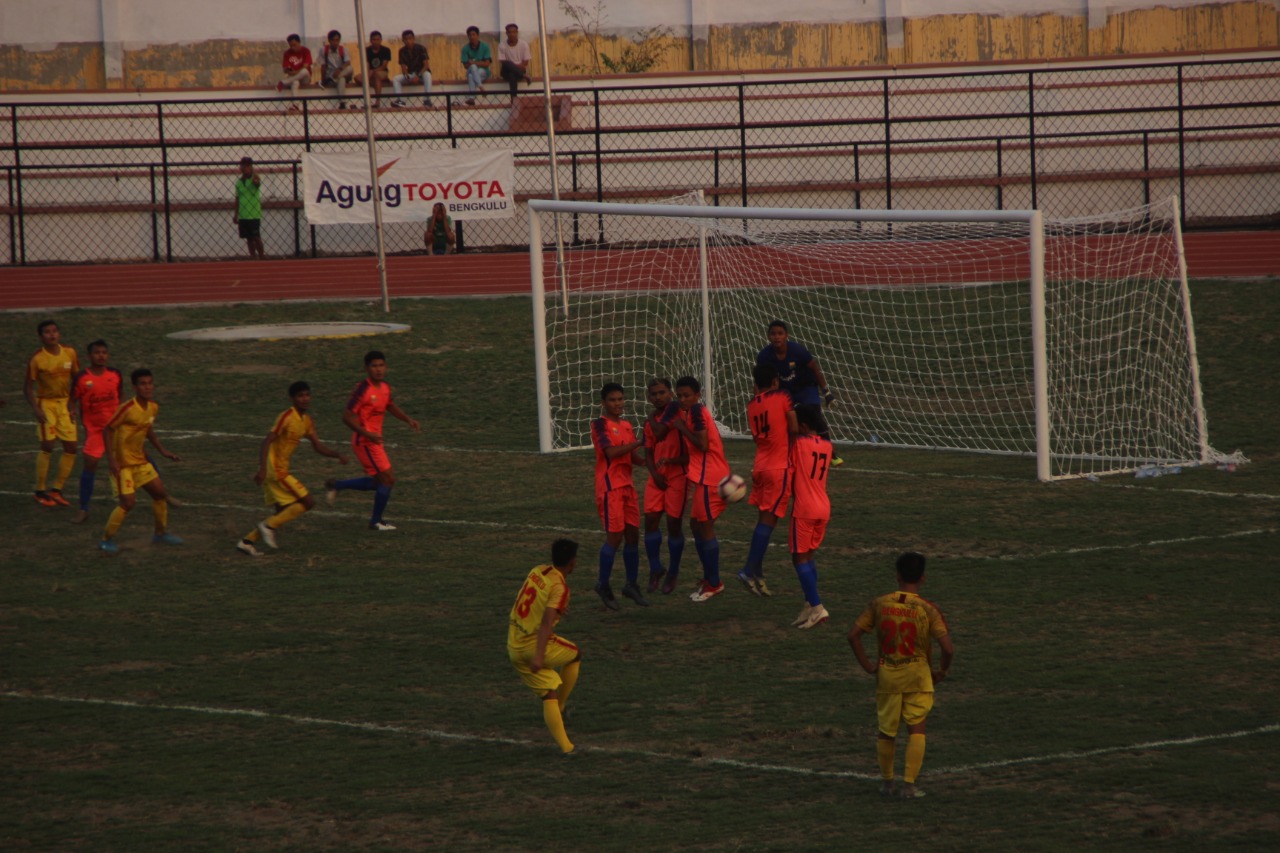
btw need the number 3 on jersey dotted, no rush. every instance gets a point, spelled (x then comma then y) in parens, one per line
(524, 600)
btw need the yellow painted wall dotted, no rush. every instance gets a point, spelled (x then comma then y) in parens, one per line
(939, 39)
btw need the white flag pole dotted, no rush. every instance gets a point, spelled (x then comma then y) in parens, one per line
(551, 152)
(373, 162)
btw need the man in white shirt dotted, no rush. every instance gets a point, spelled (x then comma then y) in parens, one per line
(514, 56)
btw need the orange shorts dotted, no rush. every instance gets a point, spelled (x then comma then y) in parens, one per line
(770, 490)
(707, 503)
(619, 509)
(670, 500)
(372, 456)
(95, 443)
(806, 534)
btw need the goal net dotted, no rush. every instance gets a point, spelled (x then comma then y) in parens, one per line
(1069, 341)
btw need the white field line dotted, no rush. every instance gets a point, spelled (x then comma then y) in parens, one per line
(542, 745)
(587, 531)
(184, 435)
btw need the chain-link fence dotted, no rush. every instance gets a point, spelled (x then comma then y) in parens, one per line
(154, 180)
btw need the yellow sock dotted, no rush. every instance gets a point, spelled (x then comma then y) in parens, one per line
(253, 535)
(160, 510)
(65, 464)
(884, 752)
(113, 523)
(43, 458)
(568, 678)
(286, 515)
(915, 758)
(551, 713)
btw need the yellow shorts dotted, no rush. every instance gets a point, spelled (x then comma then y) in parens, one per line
(132, 478)
(282, 492)
(911, 708)
(57, 421)
(559, 653)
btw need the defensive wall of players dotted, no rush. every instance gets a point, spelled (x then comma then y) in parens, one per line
(99, 178)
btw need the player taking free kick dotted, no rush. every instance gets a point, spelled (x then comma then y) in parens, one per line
(279, 487)
(365, 412)
(905, 626)
(532, 645)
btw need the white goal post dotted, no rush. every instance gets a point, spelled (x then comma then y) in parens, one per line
(1070, 341)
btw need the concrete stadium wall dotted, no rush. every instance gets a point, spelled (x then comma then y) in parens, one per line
(61, 45)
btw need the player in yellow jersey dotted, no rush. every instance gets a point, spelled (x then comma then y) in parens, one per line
(279, 487)
(532, 645)
(47, 387)
(905, 626)
(130, 427)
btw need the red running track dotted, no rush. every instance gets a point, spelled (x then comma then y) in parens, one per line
(1209, 255)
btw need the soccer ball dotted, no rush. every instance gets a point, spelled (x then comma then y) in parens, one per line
(733, 488)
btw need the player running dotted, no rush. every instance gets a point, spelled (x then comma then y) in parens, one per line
(905, 626)
(616, 450)
(279, 487)
(772, 418)
(95, 396)
(706, 468)
(369, 404)
(47, 387)
(124, 435)
(811, 510)
(532, 645)
(666, 492)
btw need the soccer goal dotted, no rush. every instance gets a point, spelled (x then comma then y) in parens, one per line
(1069, 341)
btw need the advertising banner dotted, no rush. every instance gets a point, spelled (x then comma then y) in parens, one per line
(470, 185)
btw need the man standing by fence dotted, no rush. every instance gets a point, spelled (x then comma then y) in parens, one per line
(248, 215)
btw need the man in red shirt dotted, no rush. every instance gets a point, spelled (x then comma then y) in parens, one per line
(95, 396)
(296, 64)
(706, 468)
(772, 417)
(666, 492)
(616, 446)
(811, 456)
(369, 404)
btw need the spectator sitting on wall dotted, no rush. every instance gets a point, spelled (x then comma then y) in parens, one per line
(476, 59)
(515, 57)
(376, 59)
(335, 67)
(415, 69)
(297, 67)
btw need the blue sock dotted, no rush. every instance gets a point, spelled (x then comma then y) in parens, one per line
(380, 498)
(631, 562)
(808, 575)
(607, 555)
(653, 547)
(86, 489)
(675, 547)
(710, 554)
(360, 484)
(759, 545)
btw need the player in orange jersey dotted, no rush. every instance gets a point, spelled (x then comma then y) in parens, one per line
(811, 510)
(616, 451)
(771, 415)
(666, 492)
(47, 387)
(95, 396)
(130, 427)
(905, 626)
(532, 645)
(706, 468)
(280, 488)
(369, 404)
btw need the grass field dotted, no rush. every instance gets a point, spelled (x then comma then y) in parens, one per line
(1115, 686)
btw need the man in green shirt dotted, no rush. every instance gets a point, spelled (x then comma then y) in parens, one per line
(248, 213)
(476, 59)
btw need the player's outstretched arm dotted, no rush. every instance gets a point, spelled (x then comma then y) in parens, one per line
(399, 413)
(323, 449)
(948, 655)
(155, 442)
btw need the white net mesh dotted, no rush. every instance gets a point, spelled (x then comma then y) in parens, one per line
(923, 329)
